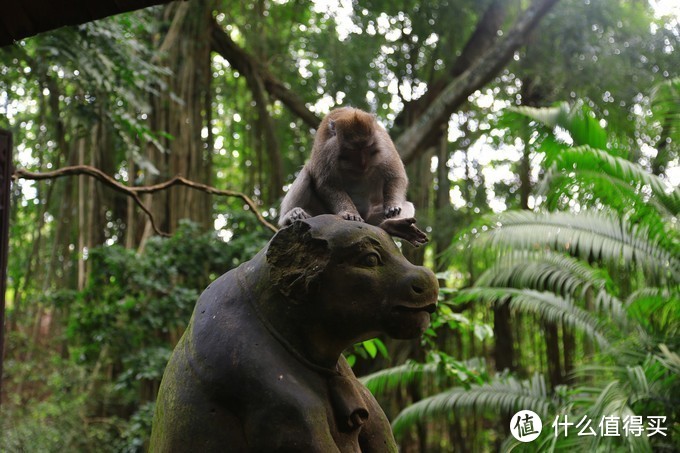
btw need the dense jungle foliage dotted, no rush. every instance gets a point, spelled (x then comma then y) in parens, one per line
(541, 142)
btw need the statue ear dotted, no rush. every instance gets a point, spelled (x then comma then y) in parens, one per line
(297, 260)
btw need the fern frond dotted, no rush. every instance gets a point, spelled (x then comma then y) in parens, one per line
(594, 188)
(588, 158)
(658, 311)
(669, 359)
(578, 120)
(666, 106)
(614, 400)
(561, 274)
(505, 395)
(666, 294)
(588, 235)
(390, 379)
(548, 306)
(546, 271)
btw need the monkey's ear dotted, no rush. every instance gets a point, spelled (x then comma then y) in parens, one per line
(297, 260)
(331, 127)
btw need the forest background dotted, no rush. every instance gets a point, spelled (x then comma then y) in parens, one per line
(541, 141)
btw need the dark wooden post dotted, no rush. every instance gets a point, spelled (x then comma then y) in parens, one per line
(5, 172)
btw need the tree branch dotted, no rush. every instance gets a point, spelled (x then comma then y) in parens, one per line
(477, 75)
(479, 42)
(181, 181)
(246, 64)
(174, 31)
(136, 190)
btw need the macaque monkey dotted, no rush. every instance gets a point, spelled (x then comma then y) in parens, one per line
(354, 172)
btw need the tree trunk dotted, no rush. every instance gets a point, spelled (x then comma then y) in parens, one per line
(552, 344)
(588, 346)
(504, 349)
(83, 189)
(419, 195)
(181, 112)
(245, 63)
(568, 346)
(265, 127)
(525, 175)
(442, 236)
(504, 352)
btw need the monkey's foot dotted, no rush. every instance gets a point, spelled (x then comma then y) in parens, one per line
(392, 211)
(405, 229)
(349, 215)
(295, 214)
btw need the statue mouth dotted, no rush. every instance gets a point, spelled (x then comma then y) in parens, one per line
(429, 308)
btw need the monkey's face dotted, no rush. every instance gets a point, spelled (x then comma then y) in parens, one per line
(368, 287)
(358, 156)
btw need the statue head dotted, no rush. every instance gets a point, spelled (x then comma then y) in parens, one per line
(350, 279)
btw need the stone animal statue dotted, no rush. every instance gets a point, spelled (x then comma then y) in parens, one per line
(260, 366)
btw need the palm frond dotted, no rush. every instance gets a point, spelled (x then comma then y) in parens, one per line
(578, 120)
(650, 379)
(613, 401)
(501, 395)
(589, 235)
(592, 188)
(666, 107)
(388, 379)
(391, 379)
(658, 311)
(555, 272)
(669, 359)
(546, 271)
(666, 294)
(548, 306)
(588, 158)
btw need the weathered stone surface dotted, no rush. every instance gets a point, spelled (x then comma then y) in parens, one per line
(260, 367)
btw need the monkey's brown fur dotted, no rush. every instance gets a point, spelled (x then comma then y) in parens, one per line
(354, 172)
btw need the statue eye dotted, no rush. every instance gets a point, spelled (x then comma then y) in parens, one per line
(370, 260)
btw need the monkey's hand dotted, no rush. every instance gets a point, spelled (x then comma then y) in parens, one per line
(405, 229)
(392, 211)
(295, 214)
(350, 215)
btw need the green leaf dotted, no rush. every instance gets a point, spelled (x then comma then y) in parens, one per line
(578, 120)
(371, 348)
